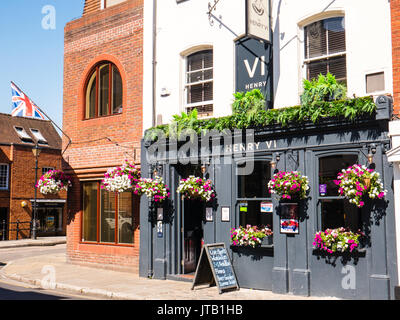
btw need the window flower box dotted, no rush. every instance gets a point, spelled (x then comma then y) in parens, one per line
(53, 182)
(337, 240)
(251, 236)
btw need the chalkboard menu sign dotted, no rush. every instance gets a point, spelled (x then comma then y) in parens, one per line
(215, 267)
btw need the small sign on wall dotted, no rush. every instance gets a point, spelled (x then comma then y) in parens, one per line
(209, 214)
(160, 232)
(289, 221)
(225, 214)
(266, 207)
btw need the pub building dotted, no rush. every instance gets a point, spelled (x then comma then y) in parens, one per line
(172, 234)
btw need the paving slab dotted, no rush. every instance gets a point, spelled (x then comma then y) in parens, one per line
(38, 242)
(53, 271)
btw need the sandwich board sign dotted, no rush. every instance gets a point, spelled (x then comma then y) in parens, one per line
(215, 268)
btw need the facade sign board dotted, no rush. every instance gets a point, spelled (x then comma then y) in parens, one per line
(258, 19)
(254, 67)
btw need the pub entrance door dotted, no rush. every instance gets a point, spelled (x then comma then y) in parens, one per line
(191, 221)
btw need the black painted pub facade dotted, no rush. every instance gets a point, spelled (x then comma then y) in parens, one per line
(171, 238)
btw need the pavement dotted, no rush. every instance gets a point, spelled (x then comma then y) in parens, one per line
(38, 242)
(52, 271)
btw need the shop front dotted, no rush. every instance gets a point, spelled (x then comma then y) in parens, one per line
(240, 166)
(50, 215)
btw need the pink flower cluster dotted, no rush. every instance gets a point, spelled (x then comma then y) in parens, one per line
(288, 184)
(249, 235)
(53, 181)
(340, 239)
(196, 188)
(356, 181)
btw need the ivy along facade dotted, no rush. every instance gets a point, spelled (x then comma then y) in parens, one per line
(308, 38)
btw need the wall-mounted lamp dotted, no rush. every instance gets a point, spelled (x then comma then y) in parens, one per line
(370, 156)
(24, 204)
(275, 161)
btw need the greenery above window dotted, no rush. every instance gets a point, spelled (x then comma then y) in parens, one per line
(322, 98)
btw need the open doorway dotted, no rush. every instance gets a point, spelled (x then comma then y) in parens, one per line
(192, 217)
(3, 224)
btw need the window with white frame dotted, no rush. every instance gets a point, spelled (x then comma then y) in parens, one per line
(3, 176)
(199, 84)
(325, 48)
(38, 136)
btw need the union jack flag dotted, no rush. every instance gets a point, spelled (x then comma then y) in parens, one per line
(23, 106)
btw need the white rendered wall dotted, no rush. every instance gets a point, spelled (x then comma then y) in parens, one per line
(185, 26)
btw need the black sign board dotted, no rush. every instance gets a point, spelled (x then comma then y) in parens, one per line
(254, 67)
(215, 267)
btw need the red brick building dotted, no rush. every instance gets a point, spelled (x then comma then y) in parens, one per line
(18, 137)
(103, 117)
(395, 17)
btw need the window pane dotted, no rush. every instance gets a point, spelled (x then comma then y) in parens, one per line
(125, 216)
(3, 176)
(253, 216)
(117, 91)
(255, 185)
(315, 37)
(336, 34)
(340, 213)
(315, 68)
(202, 111)
(104, 90)
(337, 66)
(195, 93)
(89, 212)
(91, 97)
(107, 217)
(329, 167)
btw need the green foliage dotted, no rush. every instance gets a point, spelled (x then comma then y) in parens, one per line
(325, 88)
(323, 98)
(248, 102)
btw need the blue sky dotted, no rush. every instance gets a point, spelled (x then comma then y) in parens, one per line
(31, 51)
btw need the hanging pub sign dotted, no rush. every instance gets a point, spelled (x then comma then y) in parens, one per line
(258, 19)
(289, 220)
(254, 67)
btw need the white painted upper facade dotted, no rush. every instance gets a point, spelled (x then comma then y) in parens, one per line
(184, 27)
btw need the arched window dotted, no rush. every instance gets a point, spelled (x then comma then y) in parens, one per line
(325, 48)
(199, 82)
(103, 91)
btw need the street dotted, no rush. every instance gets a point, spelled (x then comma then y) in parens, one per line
(7, 255)
(13, 290)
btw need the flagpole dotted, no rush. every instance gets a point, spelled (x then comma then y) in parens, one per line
(70, 141)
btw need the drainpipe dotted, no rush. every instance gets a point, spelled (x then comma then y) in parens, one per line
(154, 61)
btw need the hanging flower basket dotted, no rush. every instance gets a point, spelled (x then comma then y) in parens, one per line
(154, 189)
(249, 236)
(53, 182)
(337, 240)
(196, 188)
(288, 185)
(357, 181)
(121, 179)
